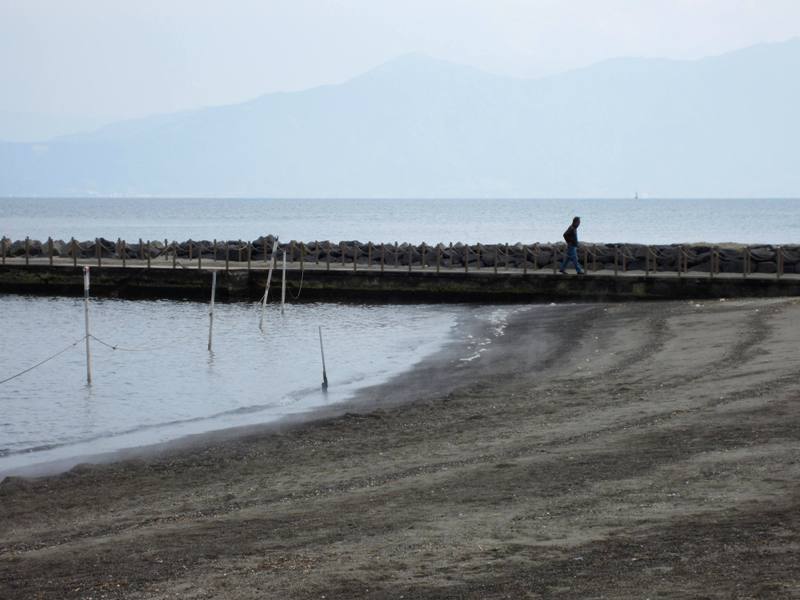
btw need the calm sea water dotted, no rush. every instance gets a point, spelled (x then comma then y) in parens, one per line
(486, 221)
(165, 384)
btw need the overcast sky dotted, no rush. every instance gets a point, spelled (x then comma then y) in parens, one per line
(125, 58)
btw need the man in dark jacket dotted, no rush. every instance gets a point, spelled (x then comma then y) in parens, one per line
(571, 237)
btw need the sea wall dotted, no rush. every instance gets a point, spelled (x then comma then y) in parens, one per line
(389, 286)
(729, 258)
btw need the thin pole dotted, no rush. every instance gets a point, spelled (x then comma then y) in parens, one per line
(283, 283)
(524, 259)
(86, 321)
(269, 279)
(322, 352)
(211, 309)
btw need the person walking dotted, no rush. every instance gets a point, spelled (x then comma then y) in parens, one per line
(571, 237)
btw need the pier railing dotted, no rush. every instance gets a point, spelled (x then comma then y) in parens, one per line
(679, 260)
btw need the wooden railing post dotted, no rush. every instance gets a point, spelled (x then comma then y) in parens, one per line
(227, 248)
(383, 255)
(746, 261)
(466, 258)
(50, 250)
(302, 257)
(341, 250)
(524, 259)
(616, 259)
(3, 248)
(174, 254)
(328, 258)
(72, 244)
(555, 259)
(438, 257)
(148, 254)
(424, 253)
(711, 266)
(249, 255)
(124, 253)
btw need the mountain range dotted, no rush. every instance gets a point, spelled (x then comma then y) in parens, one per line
(724, 126)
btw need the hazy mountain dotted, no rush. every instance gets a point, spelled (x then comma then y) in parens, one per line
(18, 126)
(722, 126)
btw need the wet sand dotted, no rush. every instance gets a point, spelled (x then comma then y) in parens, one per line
(595, 451)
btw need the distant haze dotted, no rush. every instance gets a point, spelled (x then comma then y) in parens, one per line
(66, 66)
(725, 126)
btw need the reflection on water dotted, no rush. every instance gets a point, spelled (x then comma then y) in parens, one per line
(166, 384)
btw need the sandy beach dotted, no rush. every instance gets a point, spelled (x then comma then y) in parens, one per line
(638, 450)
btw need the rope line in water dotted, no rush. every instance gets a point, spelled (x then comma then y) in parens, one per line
(39, 364)
(300, 289)
(113, 347)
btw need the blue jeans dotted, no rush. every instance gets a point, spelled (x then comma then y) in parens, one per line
(571, 257)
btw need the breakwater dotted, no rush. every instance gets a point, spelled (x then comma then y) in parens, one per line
(363, 272)
(687, 258)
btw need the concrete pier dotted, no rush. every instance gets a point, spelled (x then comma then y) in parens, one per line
(318, 283)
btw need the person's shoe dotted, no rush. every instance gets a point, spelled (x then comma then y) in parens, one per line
(581, 272)
(562, 271)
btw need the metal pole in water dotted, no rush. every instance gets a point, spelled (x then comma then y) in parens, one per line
(86, 320)
(269, 279)
(211, 309)
(283, 283)
(322, 352)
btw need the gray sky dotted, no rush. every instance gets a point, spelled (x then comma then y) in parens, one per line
(115, 58)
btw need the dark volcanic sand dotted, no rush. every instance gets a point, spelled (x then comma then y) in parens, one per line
(621, 451)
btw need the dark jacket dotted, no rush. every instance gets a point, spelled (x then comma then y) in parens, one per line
(571, 236)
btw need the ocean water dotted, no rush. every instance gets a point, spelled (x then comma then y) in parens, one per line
(652, 221)
(162, 383)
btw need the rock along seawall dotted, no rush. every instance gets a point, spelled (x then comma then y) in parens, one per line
(353, 271)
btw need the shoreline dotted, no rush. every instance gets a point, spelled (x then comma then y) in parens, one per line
(620, 450)
(448, 354)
